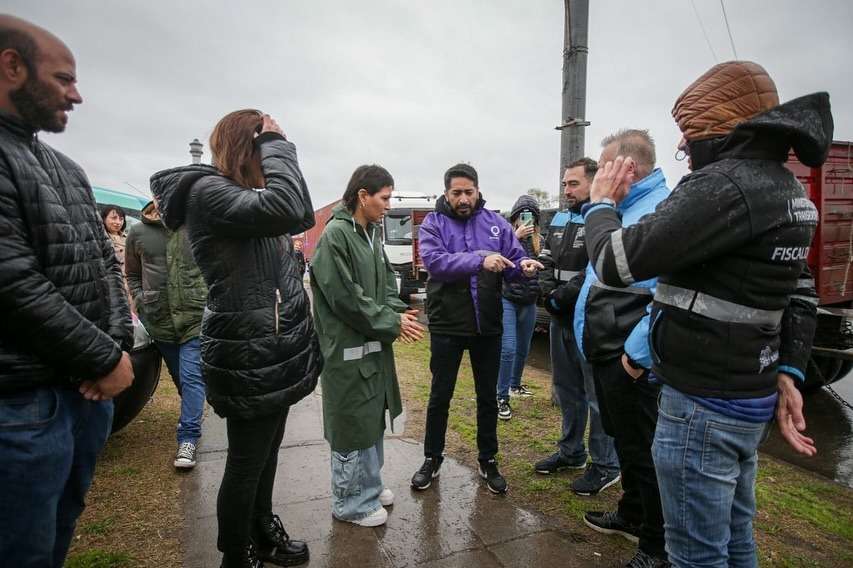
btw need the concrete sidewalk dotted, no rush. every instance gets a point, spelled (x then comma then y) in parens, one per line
(454, 523)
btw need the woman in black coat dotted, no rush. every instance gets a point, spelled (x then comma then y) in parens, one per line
(259, 351)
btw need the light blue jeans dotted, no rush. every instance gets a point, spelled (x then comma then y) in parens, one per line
(575, 390)
(357, 482)
(706, 464)
(184, 361)
(518, 323)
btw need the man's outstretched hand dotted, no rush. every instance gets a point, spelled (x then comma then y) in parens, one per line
(789, 415)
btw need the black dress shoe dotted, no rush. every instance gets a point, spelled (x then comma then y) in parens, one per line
(274, 545)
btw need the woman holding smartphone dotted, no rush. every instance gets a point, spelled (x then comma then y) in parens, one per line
(519, 308)
(359, 315)
(259, 351)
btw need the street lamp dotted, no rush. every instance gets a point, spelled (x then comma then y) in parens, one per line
(195, 150)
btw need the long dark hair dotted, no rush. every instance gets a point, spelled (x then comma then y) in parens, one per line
(232, 145)
(371, 178)
(110, 208)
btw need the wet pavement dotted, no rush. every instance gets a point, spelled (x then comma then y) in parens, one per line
(455, 523)
(830, 423)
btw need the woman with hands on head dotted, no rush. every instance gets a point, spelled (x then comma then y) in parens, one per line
(260, 354)
(359, 316)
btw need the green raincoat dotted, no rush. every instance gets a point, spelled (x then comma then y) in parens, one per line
(356, 313)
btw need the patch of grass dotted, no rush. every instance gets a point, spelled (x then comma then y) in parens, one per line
(133, 515)
(127, 471)
(803, 503)
(803, 520)
(97, 558)
(99, 527)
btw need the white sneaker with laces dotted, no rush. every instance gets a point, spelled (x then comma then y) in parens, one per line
(374, 519)
(186, 456)
(386, 498)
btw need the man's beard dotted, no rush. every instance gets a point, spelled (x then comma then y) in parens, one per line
(463, 211)
(38, 106)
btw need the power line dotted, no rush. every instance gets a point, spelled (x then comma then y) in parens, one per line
(136, 189)
(726, 18)
(704, 33)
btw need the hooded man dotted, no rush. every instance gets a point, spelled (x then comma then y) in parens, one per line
(468, 251)
(734, 312)
(169, 293)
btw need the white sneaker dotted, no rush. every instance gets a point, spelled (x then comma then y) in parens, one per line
(386, 497)
(186, 456)
(374, 519)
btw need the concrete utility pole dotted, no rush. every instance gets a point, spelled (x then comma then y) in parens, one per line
(574, 85)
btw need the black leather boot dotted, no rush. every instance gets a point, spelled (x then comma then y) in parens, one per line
(274, 545)
(245, 558)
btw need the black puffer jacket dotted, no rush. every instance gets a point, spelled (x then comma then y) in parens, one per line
(735, 302)
(527, 290)
(259, 350)
(64, 310)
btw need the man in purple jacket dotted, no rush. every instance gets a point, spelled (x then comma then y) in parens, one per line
(467, 251)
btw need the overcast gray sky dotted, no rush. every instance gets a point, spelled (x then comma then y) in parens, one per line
(414, 86)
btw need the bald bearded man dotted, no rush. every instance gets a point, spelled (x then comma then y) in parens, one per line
(66, 322)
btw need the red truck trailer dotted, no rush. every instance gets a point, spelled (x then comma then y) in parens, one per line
(830, 260)
(311, 237)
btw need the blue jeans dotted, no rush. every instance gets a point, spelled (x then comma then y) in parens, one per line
(357, 482)
(50, 438)
(518, 323)
(706, 464)
(184, 361)
(575, 389)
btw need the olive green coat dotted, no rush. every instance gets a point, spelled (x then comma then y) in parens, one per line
(356, 313)
(167, 287)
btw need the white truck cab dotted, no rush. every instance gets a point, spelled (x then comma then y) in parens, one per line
(398, 231)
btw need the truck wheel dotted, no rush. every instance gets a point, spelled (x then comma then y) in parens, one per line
(146, 370)
(824, 371)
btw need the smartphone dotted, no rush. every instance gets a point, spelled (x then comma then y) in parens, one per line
(526, 218)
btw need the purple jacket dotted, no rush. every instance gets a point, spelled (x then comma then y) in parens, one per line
(462, 298)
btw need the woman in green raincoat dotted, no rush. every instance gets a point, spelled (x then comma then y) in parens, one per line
(358, 315)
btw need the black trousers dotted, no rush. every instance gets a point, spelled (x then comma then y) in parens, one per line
(629, 412)
(446, 355)
(247, 485)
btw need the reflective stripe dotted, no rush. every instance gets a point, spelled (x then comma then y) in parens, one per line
(599, 263)
(565, 275)
(715, 308)
(629, 290)
(809, 299)
(805, 283)
(355, 353)
(619, 256)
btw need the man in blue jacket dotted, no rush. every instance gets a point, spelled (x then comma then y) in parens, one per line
(611, 329)
(468, 251)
